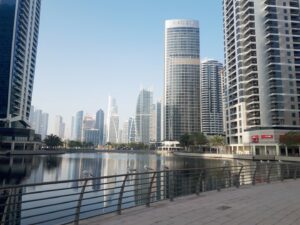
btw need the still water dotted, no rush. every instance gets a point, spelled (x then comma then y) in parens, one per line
(41, 206)
(37, 169)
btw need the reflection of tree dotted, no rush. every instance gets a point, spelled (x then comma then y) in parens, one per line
(52, 162)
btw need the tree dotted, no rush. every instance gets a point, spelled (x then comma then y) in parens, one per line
(217, 141)
(74, 144)
(52, 141)
(195, 139)
(186, 141)
(290, 139)
(199, 139)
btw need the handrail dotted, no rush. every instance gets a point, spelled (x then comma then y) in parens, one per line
(65, 204)
(103, 177)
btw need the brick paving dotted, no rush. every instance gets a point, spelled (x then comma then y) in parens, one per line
(264, 204)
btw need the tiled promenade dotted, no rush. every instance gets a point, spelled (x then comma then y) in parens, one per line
(265, 204)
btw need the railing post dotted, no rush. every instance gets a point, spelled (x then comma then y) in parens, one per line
(229, 178)
(77, 214)
(150, 188)
(282, 172)
(238, 177)
(295, 172)
(8, 206)
(203, 183)
(171, 186)
(269, 173)
(199, 182)
(121, 194)
(254, 176)
(217, 179)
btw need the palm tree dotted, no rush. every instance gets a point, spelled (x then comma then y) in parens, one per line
(217, 141)
(53, 141)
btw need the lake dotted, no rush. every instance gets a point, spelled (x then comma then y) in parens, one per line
(101, 195)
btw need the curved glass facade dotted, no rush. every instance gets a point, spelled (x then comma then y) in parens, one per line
(182, 78)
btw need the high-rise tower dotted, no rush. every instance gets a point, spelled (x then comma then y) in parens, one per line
(143, 115)
(78, 126)
(211, 98)
(100, 125)
(19, 28)
(112, 123)
(262, 75)
(182, 78)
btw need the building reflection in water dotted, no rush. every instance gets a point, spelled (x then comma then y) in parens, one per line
(103, 192)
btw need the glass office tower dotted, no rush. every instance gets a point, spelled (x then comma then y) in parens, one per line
(182, 79)
(19, 27)
(143, 116)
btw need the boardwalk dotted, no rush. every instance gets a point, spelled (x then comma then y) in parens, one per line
(264, 204)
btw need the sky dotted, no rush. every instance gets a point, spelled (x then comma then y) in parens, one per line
(90, 49)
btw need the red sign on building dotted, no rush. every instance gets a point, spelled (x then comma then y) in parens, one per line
(266, 136)
(255, 138)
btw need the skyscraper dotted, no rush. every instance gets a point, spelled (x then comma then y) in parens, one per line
(19, 22)
(211, 107)
(131, 130)
(39, 122)
(143, 115)
(182, 78)
(72, 128)
(78, 125)
(100, 125)
(262, 61)
(112, 123)
(125, 133)
(128, 131)
(158, 121)
(91, 136)
(153, 125)
(59, 127)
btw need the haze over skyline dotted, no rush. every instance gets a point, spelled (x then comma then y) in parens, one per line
(89, 51)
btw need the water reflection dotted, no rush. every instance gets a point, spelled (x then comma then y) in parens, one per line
(37, 169)
(101, 194)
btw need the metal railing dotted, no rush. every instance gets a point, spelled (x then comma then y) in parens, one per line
(65, 202)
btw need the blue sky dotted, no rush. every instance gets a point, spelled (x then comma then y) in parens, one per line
(89, 49)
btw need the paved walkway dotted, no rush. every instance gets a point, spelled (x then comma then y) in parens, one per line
(265, 204)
